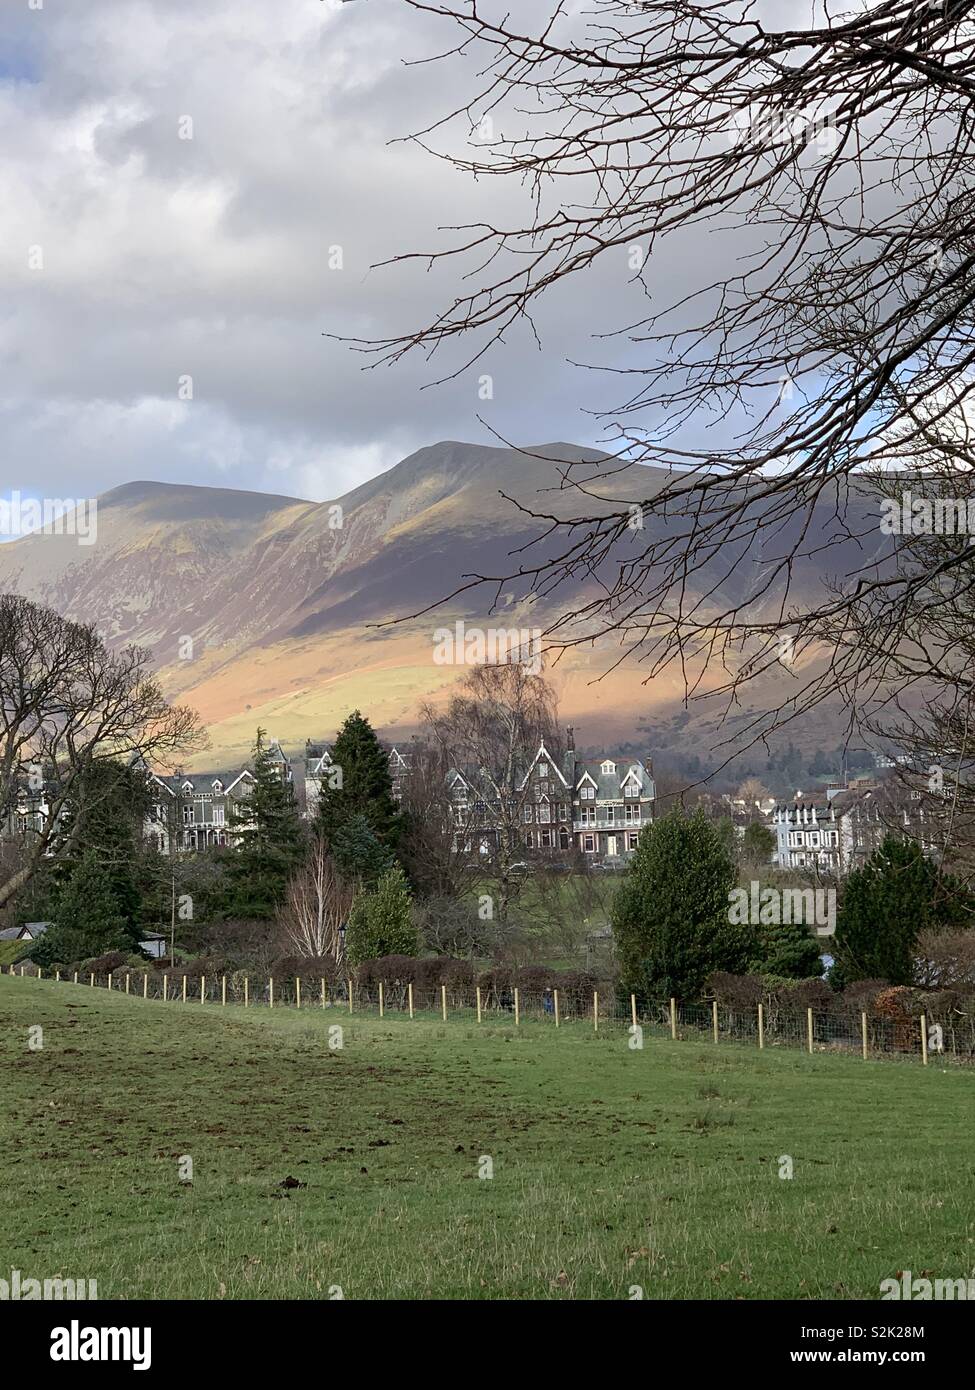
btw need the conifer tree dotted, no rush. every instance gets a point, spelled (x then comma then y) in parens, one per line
(267, 837)
(90, 919)
(359, 784)
(671, 922)
(897, 893)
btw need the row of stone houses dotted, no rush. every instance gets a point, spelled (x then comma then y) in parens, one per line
(836, 832)
(594, 805)
(195, 810)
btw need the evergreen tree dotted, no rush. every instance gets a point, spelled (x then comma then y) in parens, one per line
(381, 922)
(105, 819)
(90, 919)
(268, 840)
(671, 912)
(894, 896)
(757, 844)
(359, 855)
(358, 784)
(787, 949)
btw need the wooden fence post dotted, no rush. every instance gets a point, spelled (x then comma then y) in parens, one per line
(184, 989)
(633, 1009)
(57, 976)
(863, 1029)
(381, 1000)
(409, 993)
(165, 988)
(91, 982)
(350, 996)
(443, 1001)
(809, 1029)
(714, 1018)
(298, 991)
(223, 991)
(595, 1011)
(673, 1019)
(109, 978)
(517, 1011)
(323, 991)
(555, 996)
(145, 984)
(477, 994)
(761, 1026)
(271, 994)
(924, 1039)
(247, 985)
(203, 989)
(127, 982)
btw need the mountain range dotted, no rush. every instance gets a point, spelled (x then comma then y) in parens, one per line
(269, 610)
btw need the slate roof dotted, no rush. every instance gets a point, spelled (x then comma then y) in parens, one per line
(609, 785)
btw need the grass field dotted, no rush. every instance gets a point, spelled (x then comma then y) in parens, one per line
(611, 1167)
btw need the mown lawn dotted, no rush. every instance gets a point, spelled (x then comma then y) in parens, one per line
(612, 1168)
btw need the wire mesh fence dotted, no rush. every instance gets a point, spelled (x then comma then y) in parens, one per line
(946, 1037)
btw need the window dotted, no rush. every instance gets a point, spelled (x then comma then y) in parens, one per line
(589, 843)
(608, 766)
(632, 839)
(189, 815)
(545, 814)
(546, 839)
(527, 815)
(588, 815)
(563, 811)
(631, 789)
(609, 815)
(543, 769)
(563, 839)
(631, 815)
(587, 794)
(530, 840)
(218, 815)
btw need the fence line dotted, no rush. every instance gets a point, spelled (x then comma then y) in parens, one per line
(951, 1038)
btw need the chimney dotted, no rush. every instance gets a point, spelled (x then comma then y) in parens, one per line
(570, 739)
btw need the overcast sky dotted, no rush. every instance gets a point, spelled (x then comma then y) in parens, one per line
(132, 258)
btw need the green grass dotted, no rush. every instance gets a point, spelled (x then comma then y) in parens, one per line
(612, 1167)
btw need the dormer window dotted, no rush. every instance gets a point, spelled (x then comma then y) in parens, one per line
(608, 766)
(218, 786)
(543, 769)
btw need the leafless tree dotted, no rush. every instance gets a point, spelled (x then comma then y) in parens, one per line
(317, 905)
(830, 163)
(68, 706)
(440, 863)
(489, 733)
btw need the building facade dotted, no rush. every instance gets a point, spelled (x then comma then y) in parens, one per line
(594, 806)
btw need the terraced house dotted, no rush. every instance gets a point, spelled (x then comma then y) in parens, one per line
(194, 811)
